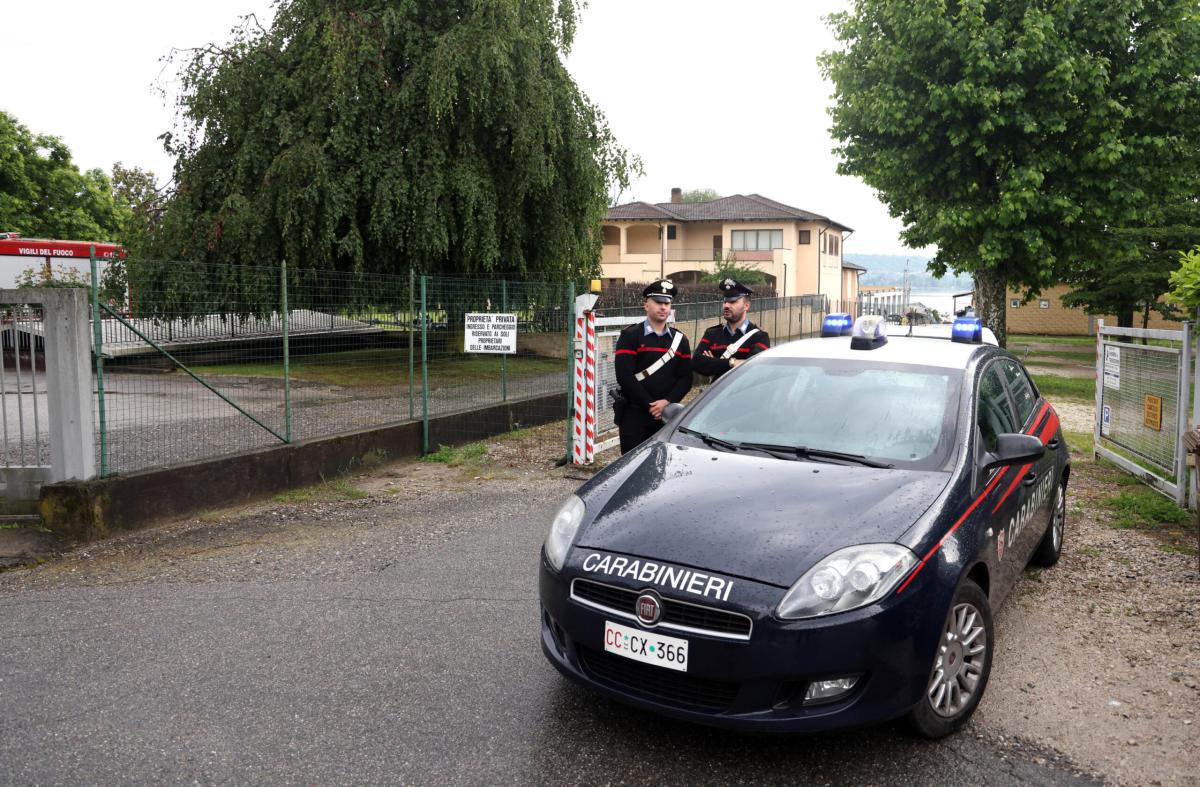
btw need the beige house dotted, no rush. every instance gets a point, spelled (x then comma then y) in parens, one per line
(800, 252)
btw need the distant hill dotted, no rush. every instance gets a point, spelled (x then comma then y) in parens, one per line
(887, 270)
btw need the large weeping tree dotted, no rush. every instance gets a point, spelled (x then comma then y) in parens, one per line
(377, 136)
(1016, 135)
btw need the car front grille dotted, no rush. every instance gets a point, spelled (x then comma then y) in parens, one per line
(658, 682)
(706, 620)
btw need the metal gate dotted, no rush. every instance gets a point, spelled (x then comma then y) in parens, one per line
(1143, 389)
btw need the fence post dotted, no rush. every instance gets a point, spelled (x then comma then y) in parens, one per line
(411, 324)
(287, 370)
(98, 348)
(570, 323)
(1181, 415)
(504, 356)
(1099, 413)
(424, 316)
(69, 386)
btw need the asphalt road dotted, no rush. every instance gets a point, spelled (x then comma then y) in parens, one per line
(397, 656)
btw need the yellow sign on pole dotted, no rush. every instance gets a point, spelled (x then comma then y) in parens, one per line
(1152, 412)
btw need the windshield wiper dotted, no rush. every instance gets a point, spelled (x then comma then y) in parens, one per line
(708, 439)
(802, 452)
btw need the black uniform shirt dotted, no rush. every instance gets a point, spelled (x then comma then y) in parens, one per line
(717, 338)
(636, 349)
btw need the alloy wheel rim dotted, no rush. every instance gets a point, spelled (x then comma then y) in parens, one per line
(1060, 518)
(958, 665)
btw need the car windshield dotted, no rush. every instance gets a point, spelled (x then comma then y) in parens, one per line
(897, 413)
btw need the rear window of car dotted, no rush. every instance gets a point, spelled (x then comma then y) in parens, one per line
(1022, 392)
(902, 414)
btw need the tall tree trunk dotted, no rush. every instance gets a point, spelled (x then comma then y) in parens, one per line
(991, 290)
(1125, 316)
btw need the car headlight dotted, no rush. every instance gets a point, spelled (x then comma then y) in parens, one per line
(848, 579)
(562, 531)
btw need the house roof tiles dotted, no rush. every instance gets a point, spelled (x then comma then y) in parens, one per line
(738, 207)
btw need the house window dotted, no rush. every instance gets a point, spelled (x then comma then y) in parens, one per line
(805, 237)
(756, 240)
(834, 246)
(1043, 304)
(670, 232)
(1015, 303)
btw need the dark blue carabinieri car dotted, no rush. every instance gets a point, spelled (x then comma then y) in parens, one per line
(818, 541)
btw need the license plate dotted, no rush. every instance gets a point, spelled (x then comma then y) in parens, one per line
(647, 647)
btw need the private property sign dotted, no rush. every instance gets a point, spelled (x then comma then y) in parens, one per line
(490, 333)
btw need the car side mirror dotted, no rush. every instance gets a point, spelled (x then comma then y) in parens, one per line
(1014, 449)
(671, 412)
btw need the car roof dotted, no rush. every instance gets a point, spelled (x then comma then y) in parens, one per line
(916, 350)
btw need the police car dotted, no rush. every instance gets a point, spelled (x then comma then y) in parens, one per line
(818, 541)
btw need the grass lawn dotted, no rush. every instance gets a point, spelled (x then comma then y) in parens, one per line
(1053, 386)
(1048, 357)
(1035, 338)
(366, 368)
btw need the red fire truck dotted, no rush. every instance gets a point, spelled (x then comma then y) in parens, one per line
(53, 256)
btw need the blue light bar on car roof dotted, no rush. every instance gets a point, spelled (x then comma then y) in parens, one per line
(870, 333)
(837, 325)
(968, 330)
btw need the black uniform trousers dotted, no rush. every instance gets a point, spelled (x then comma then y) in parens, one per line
(636, 426)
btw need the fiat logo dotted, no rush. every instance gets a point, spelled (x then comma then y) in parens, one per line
(649, 609)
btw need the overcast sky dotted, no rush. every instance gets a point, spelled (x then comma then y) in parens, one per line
(710, 94)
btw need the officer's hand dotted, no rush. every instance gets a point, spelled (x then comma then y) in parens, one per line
(657, 407)
(733, 364)
(707, 354)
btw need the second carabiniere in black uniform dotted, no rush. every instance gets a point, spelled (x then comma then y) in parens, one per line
(725, 346)
(653, 365)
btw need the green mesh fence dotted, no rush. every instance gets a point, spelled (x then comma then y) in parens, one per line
(199, 360)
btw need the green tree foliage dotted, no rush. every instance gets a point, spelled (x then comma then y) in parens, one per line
(1130, 279)
(1015, 135)
(1185, 281)
(700, 195)
(732, 268)
(374, 136)
(44, 195)
(139, 202)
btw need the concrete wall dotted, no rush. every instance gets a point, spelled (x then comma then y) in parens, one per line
(89, 510)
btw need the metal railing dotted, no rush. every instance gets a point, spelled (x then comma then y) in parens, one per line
(195, 360)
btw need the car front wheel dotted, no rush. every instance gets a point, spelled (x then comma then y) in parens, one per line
(962, 663)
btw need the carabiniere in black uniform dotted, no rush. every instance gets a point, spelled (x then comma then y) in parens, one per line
(639, 349)
(712, 353)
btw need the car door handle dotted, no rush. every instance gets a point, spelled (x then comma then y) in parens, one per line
(1029, 479)
(1052, 444)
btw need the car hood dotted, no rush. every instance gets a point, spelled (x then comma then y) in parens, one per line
(749, 515)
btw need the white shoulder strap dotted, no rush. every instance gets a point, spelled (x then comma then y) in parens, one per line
(731, 349)
(663, 361)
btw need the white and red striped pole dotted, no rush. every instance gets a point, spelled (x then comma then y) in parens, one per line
(578, 450)
(590, 386)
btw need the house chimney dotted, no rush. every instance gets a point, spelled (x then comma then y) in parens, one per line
(676, 195)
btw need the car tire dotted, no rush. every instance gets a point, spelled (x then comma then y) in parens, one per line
(1050, 547)
(961, 666)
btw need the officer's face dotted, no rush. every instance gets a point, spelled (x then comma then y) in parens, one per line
(735, 311)
(658, 311)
